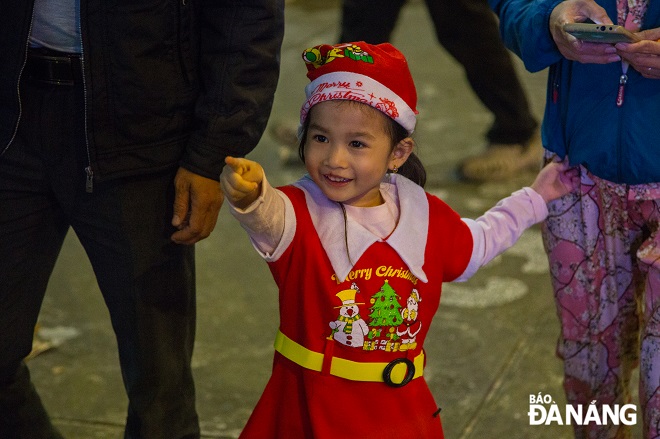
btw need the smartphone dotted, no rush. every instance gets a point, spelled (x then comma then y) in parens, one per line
(601, 33)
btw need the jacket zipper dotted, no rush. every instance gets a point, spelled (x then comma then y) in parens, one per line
(18, 87)
(181, 4)
(89, 185)
(89, 172)
(623, 80)
(619, 146)
(561, 93)
(555, 84)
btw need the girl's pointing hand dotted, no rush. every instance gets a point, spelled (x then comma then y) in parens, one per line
(241, 181)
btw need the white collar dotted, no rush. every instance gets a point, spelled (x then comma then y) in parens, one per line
(408, 238)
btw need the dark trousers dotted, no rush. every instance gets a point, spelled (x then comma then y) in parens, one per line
(148, 282)
(468, 30)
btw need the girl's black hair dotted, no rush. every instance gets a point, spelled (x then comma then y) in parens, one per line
(413, 169)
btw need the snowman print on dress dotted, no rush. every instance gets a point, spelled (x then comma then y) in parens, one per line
(349, 329)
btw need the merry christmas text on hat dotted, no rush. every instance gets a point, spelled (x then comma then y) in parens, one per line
(376, 75)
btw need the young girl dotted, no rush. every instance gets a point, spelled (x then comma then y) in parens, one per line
(360, 253)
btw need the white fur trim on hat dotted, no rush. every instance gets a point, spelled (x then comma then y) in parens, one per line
(360, 88)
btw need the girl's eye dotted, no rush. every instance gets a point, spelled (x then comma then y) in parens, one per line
(357, 144)
(320, 138)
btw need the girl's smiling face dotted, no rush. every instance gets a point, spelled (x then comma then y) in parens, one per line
(348, 151)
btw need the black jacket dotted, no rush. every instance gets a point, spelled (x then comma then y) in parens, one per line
(167, 82)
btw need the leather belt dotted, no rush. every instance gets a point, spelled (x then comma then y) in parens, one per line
(54, 68)
(397, 373)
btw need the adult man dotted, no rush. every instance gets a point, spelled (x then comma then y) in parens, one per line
(467, 29)
(115, 119)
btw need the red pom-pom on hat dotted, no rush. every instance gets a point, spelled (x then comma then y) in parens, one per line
(376, 75)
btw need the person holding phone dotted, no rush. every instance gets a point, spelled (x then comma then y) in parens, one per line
(602, 242)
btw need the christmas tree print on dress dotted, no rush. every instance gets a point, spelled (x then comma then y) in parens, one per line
(385, 313)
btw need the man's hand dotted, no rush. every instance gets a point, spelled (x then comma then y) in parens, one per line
(197, 201)
(577, 11)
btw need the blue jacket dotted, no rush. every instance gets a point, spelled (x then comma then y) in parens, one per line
(619, 144)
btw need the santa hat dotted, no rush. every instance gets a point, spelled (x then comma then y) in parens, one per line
(376, 75)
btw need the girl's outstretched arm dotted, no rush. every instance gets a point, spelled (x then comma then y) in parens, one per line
(556, 180)
(259, 207)
(500, 227)
(241, 181)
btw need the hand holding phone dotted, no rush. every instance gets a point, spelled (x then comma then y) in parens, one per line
(601, 33)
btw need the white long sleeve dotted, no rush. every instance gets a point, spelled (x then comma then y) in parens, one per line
(501, 226)
(264, 219)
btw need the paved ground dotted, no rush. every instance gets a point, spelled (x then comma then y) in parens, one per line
(493, 342)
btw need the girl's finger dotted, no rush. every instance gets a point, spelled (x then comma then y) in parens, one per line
(236, 164)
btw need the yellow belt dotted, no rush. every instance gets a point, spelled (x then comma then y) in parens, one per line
(396, 373)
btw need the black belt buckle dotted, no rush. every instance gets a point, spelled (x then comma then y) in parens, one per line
(410, 373)
(53, 68)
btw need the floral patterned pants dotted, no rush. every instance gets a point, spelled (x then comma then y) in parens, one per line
(604, 254)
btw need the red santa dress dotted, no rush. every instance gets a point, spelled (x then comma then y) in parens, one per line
(342, 337)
